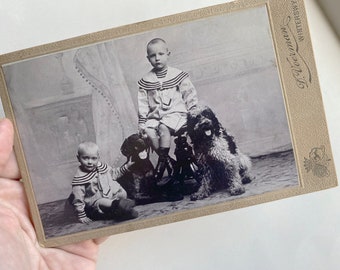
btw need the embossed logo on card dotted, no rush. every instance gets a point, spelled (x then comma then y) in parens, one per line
(318, 162)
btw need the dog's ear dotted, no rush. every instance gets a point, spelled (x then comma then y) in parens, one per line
(125, 149)
(132, 145)
(208, 113)
(231, 142)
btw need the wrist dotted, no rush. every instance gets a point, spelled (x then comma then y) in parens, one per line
(81, 215)
(125, 168)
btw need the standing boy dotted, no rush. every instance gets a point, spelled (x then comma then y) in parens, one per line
(165, 96)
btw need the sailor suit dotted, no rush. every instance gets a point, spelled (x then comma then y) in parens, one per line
(165, 97)
(89, 187)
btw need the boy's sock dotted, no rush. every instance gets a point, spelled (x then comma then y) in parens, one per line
(162, 162)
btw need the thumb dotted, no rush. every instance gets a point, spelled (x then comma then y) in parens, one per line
(6, 141)
(130, 162)
(8, 163)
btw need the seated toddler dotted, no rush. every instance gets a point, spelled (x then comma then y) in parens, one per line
(96, 193)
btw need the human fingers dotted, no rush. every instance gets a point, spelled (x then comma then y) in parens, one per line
(8, 163)
(6, 139)
(85, 220)
(88, 220)
(99, 241)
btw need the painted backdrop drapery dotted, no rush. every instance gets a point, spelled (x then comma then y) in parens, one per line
(114, 113)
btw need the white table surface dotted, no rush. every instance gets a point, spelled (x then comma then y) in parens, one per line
(296, 233)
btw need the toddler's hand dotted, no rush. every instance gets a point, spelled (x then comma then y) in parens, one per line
(85, 220)
(142, 133)
(129, 163)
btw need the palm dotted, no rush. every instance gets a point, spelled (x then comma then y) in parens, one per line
(18, 244)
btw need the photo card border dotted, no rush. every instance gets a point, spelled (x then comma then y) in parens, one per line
(301, 92)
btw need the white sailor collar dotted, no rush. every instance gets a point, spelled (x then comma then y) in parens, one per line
(82, 177)
(173, 78)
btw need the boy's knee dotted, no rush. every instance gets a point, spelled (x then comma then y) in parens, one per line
(122, 194)
(151, 132)
(163, 130)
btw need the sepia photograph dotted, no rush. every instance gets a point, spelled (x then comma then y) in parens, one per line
(179, 117)
(147, 125)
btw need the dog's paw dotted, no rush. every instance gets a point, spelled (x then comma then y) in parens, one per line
(198, 196)
(236, 189)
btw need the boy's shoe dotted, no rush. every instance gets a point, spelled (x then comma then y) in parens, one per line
(123, 209)
(126, 204)
(131, 214)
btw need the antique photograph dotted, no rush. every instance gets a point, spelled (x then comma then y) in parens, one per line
(146, 125)
(157, 126)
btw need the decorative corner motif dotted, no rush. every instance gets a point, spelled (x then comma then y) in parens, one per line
(318, 162)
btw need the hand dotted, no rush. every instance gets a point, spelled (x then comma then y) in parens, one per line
(142, 133)
(129, 163)
(18, 243)
(85, 220)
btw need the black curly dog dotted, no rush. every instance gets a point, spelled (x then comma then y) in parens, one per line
(139, 182)
(221, 164)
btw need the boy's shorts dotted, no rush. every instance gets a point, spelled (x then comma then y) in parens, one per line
(174, 121)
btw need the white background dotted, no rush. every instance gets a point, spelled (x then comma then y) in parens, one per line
(296, 233)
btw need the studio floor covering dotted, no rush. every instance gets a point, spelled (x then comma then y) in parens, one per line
(272, 172)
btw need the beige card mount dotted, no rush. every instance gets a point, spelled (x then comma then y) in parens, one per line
(257, 134)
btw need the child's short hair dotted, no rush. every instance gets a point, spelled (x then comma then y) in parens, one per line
(82, 147)
(154, 41)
